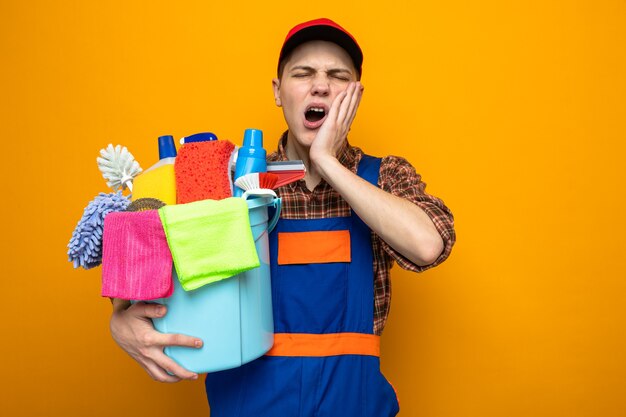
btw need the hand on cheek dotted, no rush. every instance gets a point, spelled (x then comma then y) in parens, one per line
(334, 131)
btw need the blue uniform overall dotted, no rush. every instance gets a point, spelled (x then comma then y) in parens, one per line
(322, 311)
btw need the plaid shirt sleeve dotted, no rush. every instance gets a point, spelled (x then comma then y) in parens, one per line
(398, 177)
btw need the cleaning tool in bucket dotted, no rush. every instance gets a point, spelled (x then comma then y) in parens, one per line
(202, 171)
(159, 181)
(85, 246)
(136, 261)
(257, 183)
(232, 316)
(250, 157)
(210, 240)
(144, 204)
(118, 167)
(287, 171)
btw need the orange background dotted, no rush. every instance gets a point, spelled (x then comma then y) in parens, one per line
(513, 112)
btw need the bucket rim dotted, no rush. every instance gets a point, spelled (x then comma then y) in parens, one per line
(260, 201)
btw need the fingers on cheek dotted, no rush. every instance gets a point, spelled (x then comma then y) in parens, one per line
(342, 97)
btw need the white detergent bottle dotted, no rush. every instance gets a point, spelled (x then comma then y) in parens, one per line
(159, 181)
(167, 152)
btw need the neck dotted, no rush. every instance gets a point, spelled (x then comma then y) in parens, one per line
(294, 151)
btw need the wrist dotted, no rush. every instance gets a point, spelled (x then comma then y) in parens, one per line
(119, 304)
(327, 166)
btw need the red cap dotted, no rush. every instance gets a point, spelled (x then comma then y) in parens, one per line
(322, 30)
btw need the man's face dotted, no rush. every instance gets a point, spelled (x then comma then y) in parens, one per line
(314, 74)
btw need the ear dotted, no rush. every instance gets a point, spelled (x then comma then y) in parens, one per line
(276, 88)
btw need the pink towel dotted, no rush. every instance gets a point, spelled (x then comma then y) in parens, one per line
(136, 261)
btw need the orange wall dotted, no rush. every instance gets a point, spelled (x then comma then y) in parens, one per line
(514, 113)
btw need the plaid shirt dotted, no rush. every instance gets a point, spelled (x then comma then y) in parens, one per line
(398, 177)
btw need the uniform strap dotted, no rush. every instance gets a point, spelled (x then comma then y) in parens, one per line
(368, 169)
(328, 344)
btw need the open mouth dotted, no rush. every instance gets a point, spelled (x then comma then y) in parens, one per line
(314, 115)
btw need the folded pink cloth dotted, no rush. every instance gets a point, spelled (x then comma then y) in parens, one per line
(136, 261)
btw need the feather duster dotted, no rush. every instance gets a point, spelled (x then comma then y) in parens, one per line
(118, 167)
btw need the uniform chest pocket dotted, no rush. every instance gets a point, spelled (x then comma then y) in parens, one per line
(320, 247)
(311, 283)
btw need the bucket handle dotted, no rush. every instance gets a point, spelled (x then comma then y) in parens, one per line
(276, 203)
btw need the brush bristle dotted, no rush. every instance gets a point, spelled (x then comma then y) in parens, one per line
(267, 180)
(143, 204)
(248, 181)
(257, 180)
(287, 177)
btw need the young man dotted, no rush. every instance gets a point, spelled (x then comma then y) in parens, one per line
(341, 228)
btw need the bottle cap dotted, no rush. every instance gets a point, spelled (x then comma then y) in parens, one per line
(253, 138)
(167, 149)
(200, 137)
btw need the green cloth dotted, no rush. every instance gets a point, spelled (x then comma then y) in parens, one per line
(210, 240)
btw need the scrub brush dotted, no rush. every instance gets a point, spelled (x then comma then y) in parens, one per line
(146, 203)
(118, 167)
(257, 183)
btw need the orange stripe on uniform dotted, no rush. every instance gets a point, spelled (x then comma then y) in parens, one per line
(314, 247)
(331, 344)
